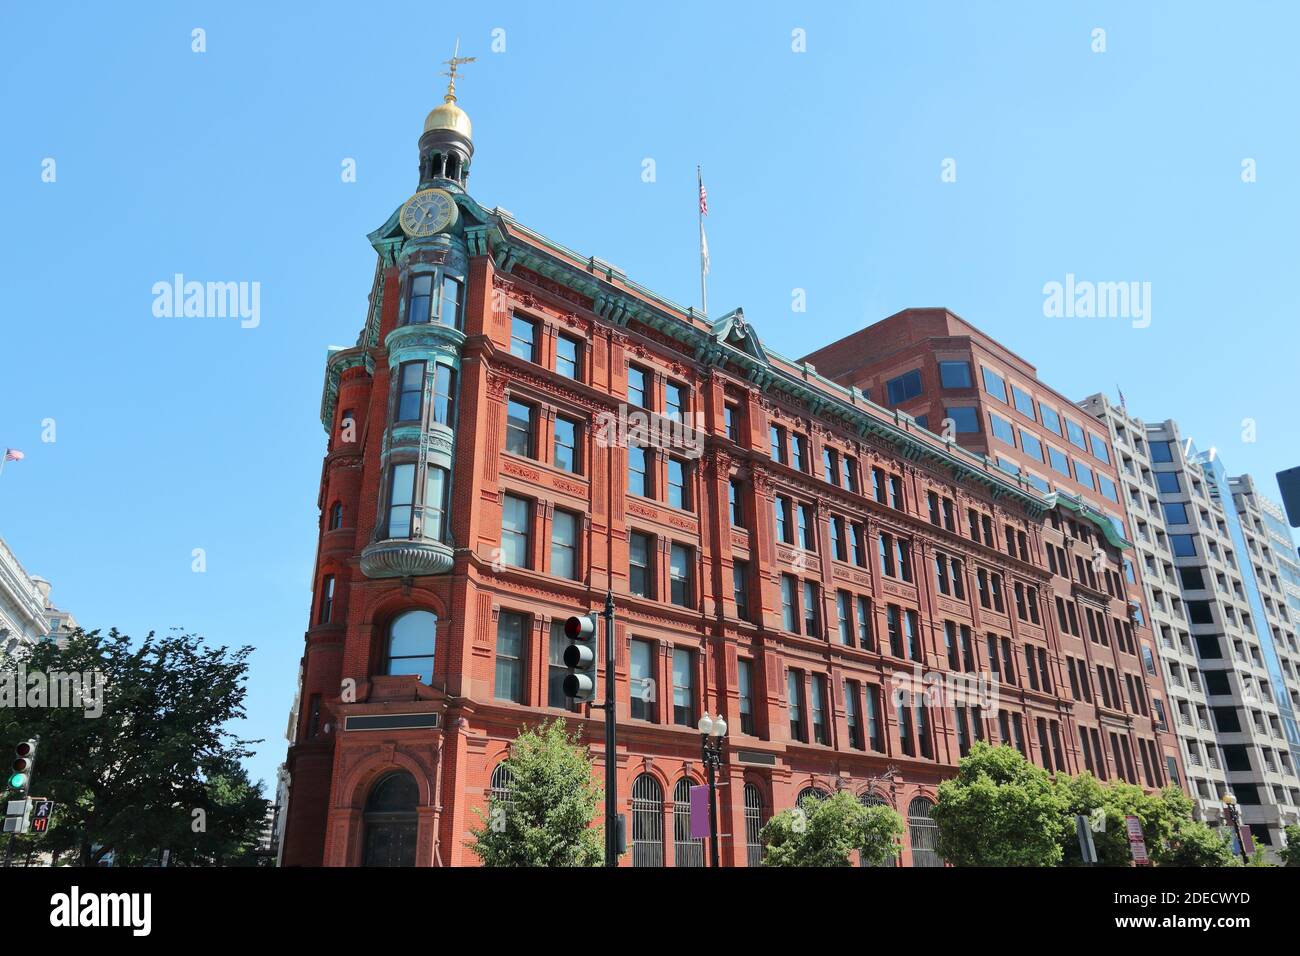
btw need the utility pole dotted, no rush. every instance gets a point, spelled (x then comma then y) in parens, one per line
(611, 753)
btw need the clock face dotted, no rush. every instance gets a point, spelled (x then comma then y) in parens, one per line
(427, 212)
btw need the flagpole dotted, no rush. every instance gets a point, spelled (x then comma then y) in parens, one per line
(704, 287)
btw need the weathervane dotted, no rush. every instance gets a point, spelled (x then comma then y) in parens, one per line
(455, 61)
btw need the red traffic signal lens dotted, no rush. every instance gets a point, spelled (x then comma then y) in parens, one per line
(24, 749)
(579, 628)
(21, 765)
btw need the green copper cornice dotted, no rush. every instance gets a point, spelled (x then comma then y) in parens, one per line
(1084, 510)
(339, 360)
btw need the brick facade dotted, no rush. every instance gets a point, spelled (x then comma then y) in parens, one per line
(988, 529)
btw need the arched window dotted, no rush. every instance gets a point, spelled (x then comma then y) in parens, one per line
(647, 821)
(336, 515)
(686, 852)
(755, 817)
(808, 793)
(873, 799)
(502, 780)
(390, 821)
(411, 637)
(925, 833)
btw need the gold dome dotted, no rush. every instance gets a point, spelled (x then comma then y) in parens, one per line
(449, 116)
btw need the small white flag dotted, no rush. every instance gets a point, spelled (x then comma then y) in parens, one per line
(704, 250)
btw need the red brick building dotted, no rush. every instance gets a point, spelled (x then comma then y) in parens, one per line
(782, 551)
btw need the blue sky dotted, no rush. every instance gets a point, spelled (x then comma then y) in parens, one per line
(823, 169)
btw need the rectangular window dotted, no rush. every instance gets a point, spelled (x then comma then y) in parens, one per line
(965, 418)
(1050, 418)
(735, 492)
(1023, 401)
(994, 384)
(1107, 488)
(638, 572)
(1031, 445)
(568, 451)
(678, 491)
(851, 715)
(636, 386)
(894, 620)
(1002, 429)
(801, 452)
(568, 357)
(1099, 449)
(683, 687)
(674, 401)
(1184, 545)
(444, 395)
(410, 395)
(873, 719)
(821, 732)
(564, 545)
(326, 600)
(420, 301)
(451, 307)
(954, 375)
(850, 466)
(807, 539)
(1083, 474)
(512, 631)
(436, 489)
(778, 444)
(896, 492)
(878, 485)
(638, 472)
(641, 683)
(515, 528)
(794, 693)
(401, 498)
(731, 419)
(844, 616)
(904, 387)
(811, 610)
(745, 690)
(904, 716)
(912, 630)
(1167, 481)
(830, 464)
(784, 519)
(740, 588)
(789, 604)
(519, 429)
(866, 639)
(1059, 461)
(523, 338)
(1175, 512)
(680, 577)
(839, 546)
(1074, 432)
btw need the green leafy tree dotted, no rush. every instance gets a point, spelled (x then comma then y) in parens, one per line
(1290, 854)
(1159, 814)
(826, 832)
(1000, 810)
(547, 818)
(1192, 843)
(148, 762)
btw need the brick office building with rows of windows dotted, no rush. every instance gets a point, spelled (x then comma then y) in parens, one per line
(788, 556)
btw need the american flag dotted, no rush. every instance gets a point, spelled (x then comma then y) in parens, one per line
(704, 199)
(13, 454)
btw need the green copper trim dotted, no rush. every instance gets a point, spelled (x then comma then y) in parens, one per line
(1087, 511)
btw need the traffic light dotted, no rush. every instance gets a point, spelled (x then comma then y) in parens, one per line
(20, 776)
(580, 657)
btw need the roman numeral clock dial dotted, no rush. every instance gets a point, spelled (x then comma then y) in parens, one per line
(428, 212)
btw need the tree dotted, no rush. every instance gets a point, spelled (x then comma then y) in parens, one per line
(1290, 854)
(1000, 810)
(546, 820)
(137, 766)
(1192, 843)
(826, 832)
(1159, 814)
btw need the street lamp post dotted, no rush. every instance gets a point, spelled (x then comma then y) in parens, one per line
(713, 731)
(1234, 815)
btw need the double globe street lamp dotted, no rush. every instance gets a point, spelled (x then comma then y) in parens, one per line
(713, 731)
(1233, 812)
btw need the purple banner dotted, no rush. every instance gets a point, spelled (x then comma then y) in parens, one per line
(699, 812)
